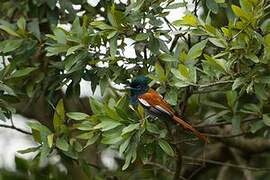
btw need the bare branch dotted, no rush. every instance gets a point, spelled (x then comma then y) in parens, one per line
(222, 172)
(225, 164)
(159, 166)
(249, 119)
(15, 128)
(214, 84)
(247, 173)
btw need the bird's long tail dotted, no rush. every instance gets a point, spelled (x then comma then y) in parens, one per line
(189, 127)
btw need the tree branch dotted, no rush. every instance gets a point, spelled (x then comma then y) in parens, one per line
(214, 84)
(225, 123)
(254, 145)
(225, 164)
(159, 166)
(247, 173)
(15, 128)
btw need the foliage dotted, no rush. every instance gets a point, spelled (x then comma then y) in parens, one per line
(212, 68)
(30, 170)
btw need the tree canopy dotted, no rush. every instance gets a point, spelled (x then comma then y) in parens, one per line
(212, 65)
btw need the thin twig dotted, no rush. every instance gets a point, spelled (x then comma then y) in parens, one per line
(247, 173)
(226, 136)
(213, 84)
(11, 121)
(15, 128)
(222, 172)
(225, 164)
(196, 3)
(169, 24)
(224, 123)
(159, 166)
(178, 164)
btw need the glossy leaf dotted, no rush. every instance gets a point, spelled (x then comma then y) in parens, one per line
(164, 145)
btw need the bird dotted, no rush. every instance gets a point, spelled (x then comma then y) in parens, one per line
(152, 101)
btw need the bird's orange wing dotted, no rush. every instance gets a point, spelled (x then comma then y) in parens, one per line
(152, 99)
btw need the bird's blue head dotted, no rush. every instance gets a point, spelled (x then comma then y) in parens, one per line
(138, 86)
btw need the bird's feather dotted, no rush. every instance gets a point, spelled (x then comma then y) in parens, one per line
(157, 105)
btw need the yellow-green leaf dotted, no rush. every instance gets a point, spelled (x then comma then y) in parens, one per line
(165, 146)
(190, 19)
(50, 140)
(59, 116)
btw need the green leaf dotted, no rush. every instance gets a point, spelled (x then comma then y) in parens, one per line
(251, 109)
(102, 25)
(127, 160)
(86, 136)
(240, 12)
(212, 5)
(96, 106)
(166, 147)
(179, 75)
(130, 128)
(181, 84)
(124, 145)
(9, 30)
(171, 96)
(72, 49)
(7, 89)
(112, 34)
(77, 115)
(106, 125)
(51, 4)
(60, 36)
(253, 58)
(37, 126)
(111, 140)
(218, 42)
(196, 50)
(33, 27)
(176, 5)
(62, 144)
(141, 37)
(56, 49)
(231, 98)
(220, 1)
(266, 119)
(59, 116)
(28, 150)
(84, 126)
(238, 82)
(22, 72)
(91, 140)
(167, 58)
(44, 153)
(160, 72)
(246, 5)
(152, 128)
(257, 125)
(113, 46)
(2, 116)
(50, 140)
(154, 45)
(265, 26)
(11, 45)
(188, 19)
(218, 64)
(184, 71)
(21, 23)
